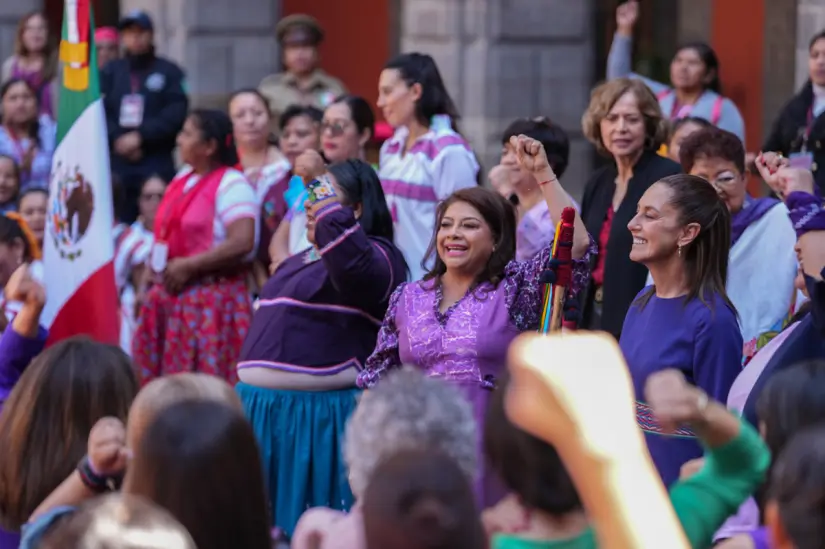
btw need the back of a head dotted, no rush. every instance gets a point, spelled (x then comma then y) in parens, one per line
(45, 424)
(792, 400)
(200, 461)
(166, 391)
(796, 497)
(529, 467)
(408, 410)
(119, 522)
(419, 499)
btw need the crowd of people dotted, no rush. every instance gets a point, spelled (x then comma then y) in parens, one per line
(313, 347)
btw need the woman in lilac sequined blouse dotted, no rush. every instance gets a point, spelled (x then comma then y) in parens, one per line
(458, 322)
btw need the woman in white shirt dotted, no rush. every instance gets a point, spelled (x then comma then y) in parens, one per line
(426, 159)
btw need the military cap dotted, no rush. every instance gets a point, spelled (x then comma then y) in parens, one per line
(299, 29)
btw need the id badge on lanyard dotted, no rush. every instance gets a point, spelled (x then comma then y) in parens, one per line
(132, 106)
(804, 159)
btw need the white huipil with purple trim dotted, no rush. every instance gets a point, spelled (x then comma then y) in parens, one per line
(439, 163)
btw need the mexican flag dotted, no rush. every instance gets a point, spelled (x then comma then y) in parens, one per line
(78, 248)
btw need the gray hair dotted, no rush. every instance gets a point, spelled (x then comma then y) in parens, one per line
(409, 411)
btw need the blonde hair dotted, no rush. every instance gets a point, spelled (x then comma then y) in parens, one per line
(119, 521)
(605, 96)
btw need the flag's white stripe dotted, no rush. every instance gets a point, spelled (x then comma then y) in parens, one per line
(85, 146)
(73, 33)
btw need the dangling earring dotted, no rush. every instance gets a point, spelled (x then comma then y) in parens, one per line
(679, 250)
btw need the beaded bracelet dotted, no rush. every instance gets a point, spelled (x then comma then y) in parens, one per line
(95, 482)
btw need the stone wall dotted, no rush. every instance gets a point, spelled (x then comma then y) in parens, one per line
(505, 59)
(810, 19)
(223, 44)
(10, 13)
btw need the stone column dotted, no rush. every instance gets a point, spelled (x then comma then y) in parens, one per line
(779, 59)
(223, 45)
(10, 13)
(810, 19)
(504, 59)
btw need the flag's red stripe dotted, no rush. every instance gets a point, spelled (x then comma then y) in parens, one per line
(83, 23)
(92, 310)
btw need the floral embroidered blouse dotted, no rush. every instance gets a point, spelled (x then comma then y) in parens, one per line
(469, 341)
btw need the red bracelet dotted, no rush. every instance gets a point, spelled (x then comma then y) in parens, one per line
(543, 183)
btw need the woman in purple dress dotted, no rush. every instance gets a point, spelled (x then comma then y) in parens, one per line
(457, 323)
(685, 320)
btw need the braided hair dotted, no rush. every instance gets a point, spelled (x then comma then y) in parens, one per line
(216, 126)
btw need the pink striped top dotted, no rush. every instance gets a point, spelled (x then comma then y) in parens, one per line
(439, 163)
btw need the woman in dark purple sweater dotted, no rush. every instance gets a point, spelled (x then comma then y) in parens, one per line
(316, 324)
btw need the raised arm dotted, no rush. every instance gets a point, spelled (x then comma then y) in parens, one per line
(620, 58)
(532, 158)
(357, 265)
(735, 462)
(24, 338)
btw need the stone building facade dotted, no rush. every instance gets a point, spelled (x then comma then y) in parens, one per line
(502, 59)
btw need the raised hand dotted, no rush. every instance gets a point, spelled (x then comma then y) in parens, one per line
(24, 288)
(531, 156)
(673, 400)
(309, 165)
(768, 165)
(626, 16)
(107, 450)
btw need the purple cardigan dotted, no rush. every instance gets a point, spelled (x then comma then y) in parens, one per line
(16, 352)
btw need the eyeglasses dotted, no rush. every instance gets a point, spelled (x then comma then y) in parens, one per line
(336, 128)
(725, 180)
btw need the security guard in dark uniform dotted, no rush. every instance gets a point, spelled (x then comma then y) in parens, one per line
(302, 83)
(146, 105)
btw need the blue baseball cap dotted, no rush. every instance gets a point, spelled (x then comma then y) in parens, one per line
(136, 18)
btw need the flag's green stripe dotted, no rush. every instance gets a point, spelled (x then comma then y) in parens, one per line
(71, 104)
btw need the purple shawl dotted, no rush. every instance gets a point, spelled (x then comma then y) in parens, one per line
(752, 211)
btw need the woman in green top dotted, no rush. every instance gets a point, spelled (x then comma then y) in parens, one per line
(543, 510)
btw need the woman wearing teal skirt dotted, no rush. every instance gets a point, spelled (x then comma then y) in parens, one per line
(316, 324)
